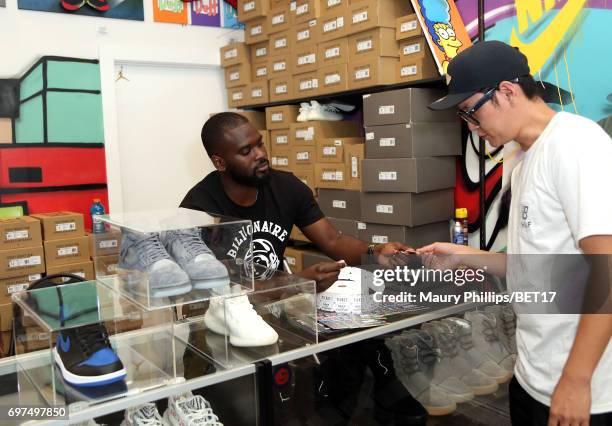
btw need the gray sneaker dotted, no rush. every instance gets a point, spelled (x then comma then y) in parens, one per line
(193, 255)
(147, 268)
(506, 325)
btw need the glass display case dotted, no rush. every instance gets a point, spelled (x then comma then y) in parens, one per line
(172, 257)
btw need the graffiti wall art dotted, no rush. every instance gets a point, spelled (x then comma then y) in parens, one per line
(118, 9)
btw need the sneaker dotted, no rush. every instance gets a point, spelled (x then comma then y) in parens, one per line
(342, 106)
(487, 339)
(190, 410)
(193, 255)
(143, 261)
(454, 364)
(304, 112)
(245, 327)
(143, 415)
(86, 358)
(411, 366)
(100, 5)
(320, 112)
(506, 325)
(72, 5)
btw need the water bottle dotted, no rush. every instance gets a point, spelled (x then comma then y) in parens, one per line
(97, 209)
(460, 227)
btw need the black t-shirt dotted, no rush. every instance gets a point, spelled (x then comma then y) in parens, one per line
(282, 202)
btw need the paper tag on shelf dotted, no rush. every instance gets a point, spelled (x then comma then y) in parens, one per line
(386, 109)
(278, 19)
(300, 10)
(387, 142)
(302, 156)
(281, 89)
(237, 96)
(232, 53)
(408, 26)
(380, 239)
(256, 30)
(303, 35)
(277, 116)
(65, 227)
(412, 48)
(281, 140)
(408, 70)
(24, 261)
(339, 204)
(384, 208)
(354, 167)
(19, 234)
(256, 93)
(262, 51)
(329, 150)
(262, 71)
(369, 136)
(280, 43)
(280, 66)
(106, 244)
(387, 175)
(332, 78)
(364, 45)
(234, 76)
(363, 73)
(67, 251)
(332, 52)
(249, 6)
(360, 17)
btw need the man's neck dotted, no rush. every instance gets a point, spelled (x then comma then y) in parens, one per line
(535, 118)
(241, 194)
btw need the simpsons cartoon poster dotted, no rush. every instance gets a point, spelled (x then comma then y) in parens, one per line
(443, 28)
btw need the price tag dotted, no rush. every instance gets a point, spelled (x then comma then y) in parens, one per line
(363, 73)
(386, 109)
(360, 17)
(387, 175)
(380, 239)
(67, 251)
(233, 53)
(19, 234)
(408, 26)
(339, 204)
(281, 140)
(364, 45)
(412, 49)
(65, 227)
(385, 142)
(277, 116)
(24, 261)
(329, 150)
(408, 70)
(384, 208)
(332, 52)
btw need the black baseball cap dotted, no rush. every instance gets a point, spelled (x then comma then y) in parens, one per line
(484, 65)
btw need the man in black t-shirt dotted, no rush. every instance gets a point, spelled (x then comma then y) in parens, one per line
(244, 186)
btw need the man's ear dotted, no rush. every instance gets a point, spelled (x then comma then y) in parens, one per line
(509, 91)
(218, 162)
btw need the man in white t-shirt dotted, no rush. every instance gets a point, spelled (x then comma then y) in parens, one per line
(560, 204)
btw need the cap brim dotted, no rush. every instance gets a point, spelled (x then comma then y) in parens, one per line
(553, 94)
(450, 101)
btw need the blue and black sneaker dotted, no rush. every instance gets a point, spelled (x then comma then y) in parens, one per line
(86, 358)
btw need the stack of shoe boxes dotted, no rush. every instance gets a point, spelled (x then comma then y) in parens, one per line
(104, 249)
(22, 261)
(415, 60)
(278, 122)
(236, 62)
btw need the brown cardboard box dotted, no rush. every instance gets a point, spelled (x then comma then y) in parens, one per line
(407, 208)
(372, 72)
(309, 132)
(29, 339)
(304, 59)
(370, 14)
(237, 97)
(278, 3)
(306, 85)
(258, 93)
(6, 337)
(265, 138)
(238, 75)
(280, 43)
(417, 236)
(281, 159)
(260, 51)
(407, 27)
(67, 251)
(298, 235)
(372, 44)
(256, 118)
(105, 244)
(311, 258)
(279, 138)
(129, 322)
(305, 33)
(417, 69)
(403, 106)
(293, 257)
(332, 26)
(259, 71)
(281, 117)
(414, 48)
(306, 175)
(354, 155)
(6, 317)
(256, 31)
(60, 225)
(105, 265)
(408, 174)
(22, 261)
(333, 79)
(331, 150)
(333, 52)
(303, 156)
(413, 140)
(235, 53)
(20, 232)
(330, 175)
(8, 286)
(328, 6)
(279, 66)
(278, 20)
(340, 203)
(345, 226)
(306, 10)
(250, 9)
(84, 270)
(281, 89)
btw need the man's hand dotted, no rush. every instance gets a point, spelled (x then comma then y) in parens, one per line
(570, 403)
(324, 273)
(392, 254)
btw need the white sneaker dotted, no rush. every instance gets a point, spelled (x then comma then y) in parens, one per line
(246, 328)
(304, 112)
(342, 107)
(190, 410)
(320, 112)
(143, 415)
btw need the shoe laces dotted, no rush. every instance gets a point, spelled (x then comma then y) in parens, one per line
(508, 322)
(489, 330)
(92, 338)
(197, 410)
(192, 241)
(330, 108)
(420, 352)
(150, 249)
(464, 336)
(446, 343)
(147, 415)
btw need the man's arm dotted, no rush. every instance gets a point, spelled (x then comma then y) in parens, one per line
(571, 400)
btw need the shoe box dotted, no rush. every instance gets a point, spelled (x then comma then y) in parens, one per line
(310, 258)
(280, 43)
(305, 33)
(260, 52)
(346, 226)
(368, 14)
(306, 10)
(329, 6)
(251, 9)
(333, 79)
(281, 159)
(20, 232)
(302, 156)
(407, 27)
(279, 139)
(281, 89)
(306, 85)
(22, 261)
(32, 338)
(417, 236)
(6, 317)
(256, 31)
(235, 53)
(408, 174)
(416, 69)
(332, 150)
(259, 72)
(306, 174)
(354, 155)
(257, 93)
(238, 75)
(332, 25)
(403, 106)
(340, 203)
(66, 251)
(9, 286)
(413, 48)
(61, 225)
(371, 44)
(294, 258)
(279, 66)
(298, 235)
(278, 19)
(372, 72)
(84, 270)
(334, 52)
(237, 97)
(265, 138)
(417, 139)
(6, 337)
(256, 118)
(123, 324)
(309, 132)
(304, 59)
(330, 175)
(105, 265)
(281, 117)
(407, 208)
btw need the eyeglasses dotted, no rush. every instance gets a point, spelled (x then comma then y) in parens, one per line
(469, 114)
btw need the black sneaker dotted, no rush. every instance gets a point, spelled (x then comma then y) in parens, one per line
(72, 5)
(86, 358)
(101, 5)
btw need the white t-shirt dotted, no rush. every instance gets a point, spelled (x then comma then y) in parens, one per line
(560, 194)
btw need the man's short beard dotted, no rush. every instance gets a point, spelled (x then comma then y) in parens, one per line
(253, 180)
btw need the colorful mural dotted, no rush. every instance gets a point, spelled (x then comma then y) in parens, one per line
(119, 9)
(210, 13)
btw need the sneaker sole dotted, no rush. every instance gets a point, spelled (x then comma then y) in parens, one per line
(440, 411)
(210, 283)
(72, 7)
(87, 381)
(249, 343)
(485, 390)
(214, 325)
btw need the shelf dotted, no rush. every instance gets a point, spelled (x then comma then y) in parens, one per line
(353, 95)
